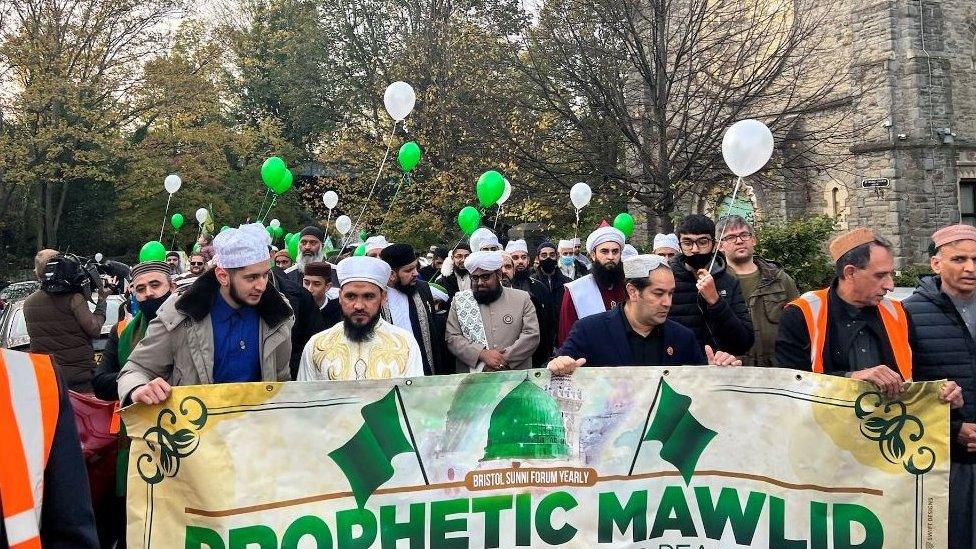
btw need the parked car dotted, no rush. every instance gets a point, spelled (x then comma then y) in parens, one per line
(13, 328)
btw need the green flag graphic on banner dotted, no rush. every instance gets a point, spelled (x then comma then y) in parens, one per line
(683, 439)
(366, 459)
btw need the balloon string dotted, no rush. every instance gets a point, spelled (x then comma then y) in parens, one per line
(166, 213)
(328, 223)
(406, 177)
(263, 200)
(355, 226)
(728, 210)
(576, 229)
(498, 214)
(274, 200)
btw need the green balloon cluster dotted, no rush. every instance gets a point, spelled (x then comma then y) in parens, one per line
(409, 156)
(176, 221)
(360, 250)
(276, 175)
(468, 219)
(491, 186)
(275, 232)
(624, 222)
(152, 251)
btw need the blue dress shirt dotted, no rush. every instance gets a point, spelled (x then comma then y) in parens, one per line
(237, 349)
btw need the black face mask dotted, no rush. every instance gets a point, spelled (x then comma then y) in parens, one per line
(151, 306)
(698, 261)
(547, 265)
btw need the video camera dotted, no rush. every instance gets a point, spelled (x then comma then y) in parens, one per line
(68, 273)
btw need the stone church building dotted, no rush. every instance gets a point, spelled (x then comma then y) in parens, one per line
(912, 73)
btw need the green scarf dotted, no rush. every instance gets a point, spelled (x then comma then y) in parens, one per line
(128, 339)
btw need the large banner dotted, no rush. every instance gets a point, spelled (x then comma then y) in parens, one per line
(691, 457)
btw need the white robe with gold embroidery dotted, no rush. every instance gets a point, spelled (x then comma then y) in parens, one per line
(391, 353)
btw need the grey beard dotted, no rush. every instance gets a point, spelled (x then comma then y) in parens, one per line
(304, 260)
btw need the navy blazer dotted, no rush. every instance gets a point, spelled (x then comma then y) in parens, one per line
(602, 340)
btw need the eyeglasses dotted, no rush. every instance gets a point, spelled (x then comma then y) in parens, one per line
(702, 242)
(728, 239)
(482, 278)
(196, 263)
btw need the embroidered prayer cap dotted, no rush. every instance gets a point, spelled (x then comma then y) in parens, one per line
(484, 238)
(629, 251)
(850, 240)
(363, 268)
(377, 242)
(150, 267)
(565, 245)
(398, 256)
(319, 268)
(243, 246)
(953, 233)
(666, 241)
(312, 230)
(517, 246)
(604, 234)
(486, 261)
(641, 266)
(282, 253)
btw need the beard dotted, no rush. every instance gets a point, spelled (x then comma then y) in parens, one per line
(607, 277)
(460, 271)
(304, 260)
(485, 297)
(236, 297)
(359, 333)
(408, 289)
(521, 275)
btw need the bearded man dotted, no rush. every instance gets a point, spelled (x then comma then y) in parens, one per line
(410, 304)
(602, 289)
(490, 327)
(363, 345)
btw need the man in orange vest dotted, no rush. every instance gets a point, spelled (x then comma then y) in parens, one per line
(44, 496)
(851, 328)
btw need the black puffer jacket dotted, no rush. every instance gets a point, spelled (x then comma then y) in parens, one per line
(727, 325)
(942, 348)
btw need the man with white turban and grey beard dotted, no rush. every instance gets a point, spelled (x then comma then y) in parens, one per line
(490, 327)
(362, 346)
(602, 289)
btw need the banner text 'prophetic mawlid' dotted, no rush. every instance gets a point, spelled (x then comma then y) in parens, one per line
(690, 457)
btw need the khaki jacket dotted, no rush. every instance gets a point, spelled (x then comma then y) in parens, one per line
(776, 289)
(179, 345)
(510, 324)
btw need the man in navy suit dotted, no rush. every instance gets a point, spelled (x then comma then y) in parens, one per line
(636, 332)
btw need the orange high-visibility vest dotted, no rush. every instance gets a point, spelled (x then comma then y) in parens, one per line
(893, 317)
(29, 402)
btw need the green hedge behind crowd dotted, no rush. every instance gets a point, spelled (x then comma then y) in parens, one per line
(798, 246)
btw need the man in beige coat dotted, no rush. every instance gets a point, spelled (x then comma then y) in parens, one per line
(229, 326)
(491, 327)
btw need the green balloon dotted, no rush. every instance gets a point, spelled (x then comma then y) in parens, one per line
(491, 186)
(624, 222)
(360, 250)
(152, 251)
(292, 246)
(362, 235)
(284, 184)
(288, 237)
(196, 247)
(469, 219)
(176, 221)
(278, 231)
(273, 171)
(409, 156)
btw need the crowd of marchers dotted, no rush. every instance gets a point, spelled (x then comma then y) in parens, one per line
(244, 311)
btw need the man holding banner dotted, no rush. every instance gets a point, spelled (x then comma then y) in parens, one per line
(636, 332)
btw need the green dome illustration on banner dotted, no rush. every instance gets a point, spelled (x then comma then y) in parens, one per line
(526, 424)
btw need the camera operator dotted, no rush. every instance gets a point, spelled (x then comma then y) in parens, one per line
(58, 320)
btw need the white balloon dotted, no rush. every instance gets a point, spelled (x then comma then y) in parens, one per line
(330, 199)
(201, 215)
(343, 224)
(172, 183)
(746, 146)
(98, 257)
(505, 194)
(580, 195)
(399, 100)
(275, 223)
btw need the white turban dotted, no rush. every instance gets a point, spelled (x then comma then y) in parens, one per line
(481, 235)
(629, 251)
(666, 241)
(576, 241)
(243, 246)
(377, 242)
(362, 268)
(486, 261)
(517, 246)
(565, 245)
(640, 266)
(604, 234)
